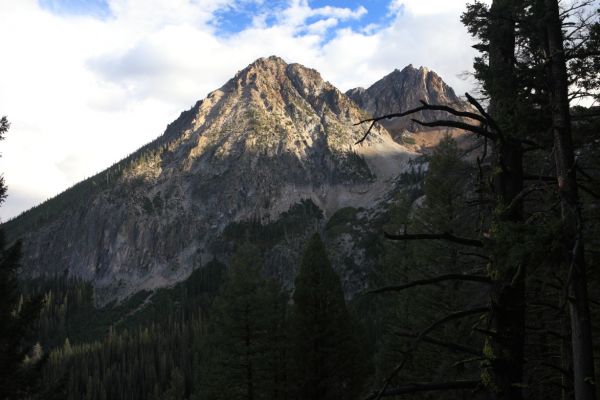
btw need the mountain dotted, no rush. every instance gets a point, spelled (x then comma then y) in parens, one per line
(273, 141)
(270, 157)
(402, 90)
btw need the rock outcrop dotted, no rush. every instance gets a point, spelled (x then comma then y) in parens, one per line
(403, 90)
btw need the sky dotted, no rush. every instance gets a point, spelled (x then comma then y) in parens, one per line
(84, 83)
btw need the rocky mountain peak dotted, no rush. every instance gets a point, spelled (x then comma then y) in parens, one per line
(402, 90)
(272, 77)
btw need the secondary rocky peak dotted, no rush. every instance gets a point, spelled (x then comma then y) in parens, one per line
(402, 90)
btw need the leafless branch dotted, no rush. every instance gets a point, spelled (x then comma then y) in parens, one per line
(466, 253)
(447, 236)
(430, 281)
(419, 337)
(588, 191)
(483, 119)
(482, 111)
(459, 125)
(449, 345)
(426, 387)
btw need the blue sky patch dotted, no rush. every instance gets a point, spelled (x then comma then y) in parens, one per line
(376, 10)
(95, 8)
(232, 20)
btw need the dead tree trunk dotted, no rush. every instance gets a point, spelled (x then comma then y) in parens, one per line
(573, 246)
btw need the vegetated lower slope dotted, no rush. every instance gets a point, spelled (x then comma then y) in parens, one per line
(274, 136)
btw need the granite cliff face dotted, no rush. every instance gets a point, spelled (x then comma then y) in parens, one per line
(269, 156)
(402, 90)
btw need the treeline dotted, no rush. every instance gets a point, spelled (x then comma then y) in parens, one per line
(247, 340)
(70, 311)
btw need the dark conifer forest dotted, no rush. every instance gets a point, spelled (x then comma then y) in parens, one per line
(486, 285)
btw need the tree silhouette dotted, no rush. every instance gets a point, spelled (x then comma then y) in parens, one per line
(18, 316)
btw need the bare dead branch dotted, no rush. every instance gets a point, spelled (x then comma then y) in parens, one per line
(542, 178)
(427, 107)
(584, 173)
(582, 54)
(447, 236)
(424, 107)
(398, 368)
(453, 316)
(485, 332)
(449, 345)
(459, 125)
(585, 116)
(588, 191)
(567, 11)
(453, 111)
(362, 139)
(468, 254)
(518, 199)
(427, 387)
(482, 111)
(430, 281)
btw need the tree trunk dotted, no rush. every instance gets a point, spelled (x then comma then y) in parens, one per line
(581, 330)
(503, 372)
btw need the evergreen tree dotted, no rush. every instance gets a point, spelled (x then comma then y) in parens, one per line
(243, 351)
(176, 389)
(327, 354)
(17, 318)
(445, 354)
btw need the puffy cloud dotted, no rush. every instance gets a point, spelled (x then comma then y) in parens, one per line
(84, 91)
(426, 7)
(298, 11)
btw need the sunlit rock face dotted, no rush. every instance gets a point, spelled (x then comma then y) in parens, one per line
(269, 157)
(403, 90)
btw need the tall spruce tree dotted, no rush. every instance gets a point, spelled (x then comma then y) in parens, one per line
(243, 351)
(449, 353)
(17, 317)
(328, 359)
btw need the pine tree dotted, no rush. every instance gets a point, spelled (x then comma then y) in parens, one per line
(17, 317)
(242, 352)
(328, 361)
(176, 389)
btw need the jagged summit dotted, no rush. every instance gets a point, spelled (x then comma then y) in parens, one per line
(402, 90)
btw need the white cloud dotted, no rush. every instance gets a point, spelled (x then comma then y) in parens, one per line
(82, 93)
(298, 11)
(426, 7)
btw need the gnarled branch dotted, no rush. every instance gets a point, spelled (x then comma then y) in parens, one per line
(427, 387)
(484, 119)
(419, 338)
(437, 279)
(448, 345)
(459, 125)
(447, 236)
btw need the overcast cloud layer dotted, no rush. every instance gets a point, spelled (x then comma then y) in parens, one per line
(84, 87)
